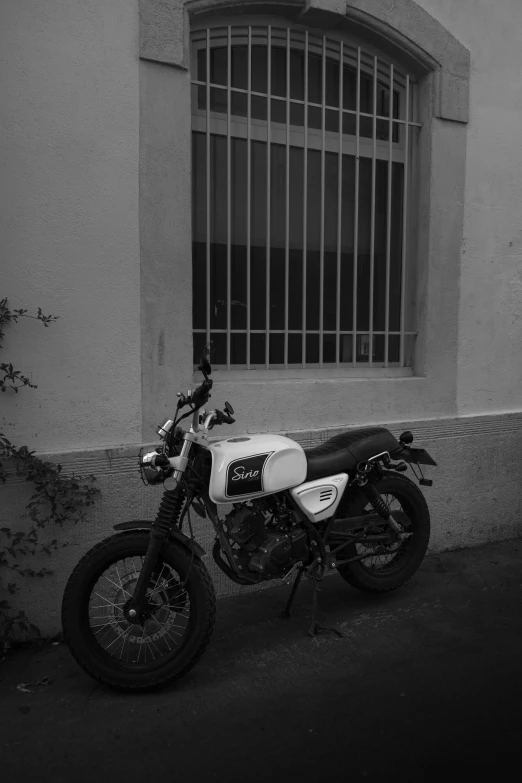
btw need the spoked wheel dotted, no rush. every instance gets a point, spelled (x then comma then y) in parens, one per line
(166, 616)
(174, 630)
(389, 565)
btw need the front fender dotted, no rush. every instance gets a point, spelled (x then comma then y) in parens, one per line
(175, 534)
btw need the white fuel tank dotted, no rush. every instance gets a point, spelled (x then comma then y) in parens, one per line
(248, 467)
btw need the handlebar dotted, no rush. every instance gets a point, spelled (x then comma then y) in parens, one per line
(218, 417)
(201, 394)
(198, 399)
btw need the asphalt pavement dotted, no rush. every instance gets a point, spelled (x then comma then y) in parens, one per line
(426, 684)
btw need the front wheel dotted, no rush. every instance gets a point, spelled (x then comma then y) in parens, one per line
(379, 571)
(179, 616)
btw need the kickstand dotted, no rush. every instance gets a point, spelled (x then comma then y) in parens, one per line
(315, 626)
(286, 611)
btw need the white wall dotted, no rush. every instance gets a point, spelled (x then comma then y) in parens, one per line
(69, 219)
(490, 322)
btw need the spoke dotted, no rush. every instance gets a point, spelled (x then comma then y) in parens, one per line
(119, 579)
(176, 641)
(180, 593)
(161, 573)
(121, 636)
(173, 626)
(166, 642)
(112, 622)
(163, 626)
(120, 587)
(165, 587)
(134, 568)
(158, 651)
(179, 609)
(126, 638)
(101, 638)
(173, 580)
(170, 632)
(109, 603)
(170, 610)
(127, 632)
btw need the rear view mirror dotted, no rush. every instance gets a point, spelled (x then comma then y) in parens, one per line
(204, 365)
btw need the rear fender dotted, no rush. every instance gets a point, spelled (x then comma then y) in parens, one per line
(413, 456)
(175, 534)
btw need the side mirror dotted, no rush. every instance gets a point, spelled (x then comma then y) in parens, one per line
(204, 365)
(229, 409)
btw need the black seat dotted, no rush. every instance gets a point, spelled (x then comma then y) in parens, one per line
(343, 452)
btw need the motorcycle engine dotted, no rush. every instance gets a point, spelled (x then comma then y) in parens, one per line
(267, 543)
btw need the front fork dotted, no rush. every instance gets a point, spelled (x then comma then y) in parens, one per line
(168, 514)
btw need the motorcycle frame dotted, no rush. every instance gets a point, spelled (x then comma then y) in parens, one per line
(175, 468)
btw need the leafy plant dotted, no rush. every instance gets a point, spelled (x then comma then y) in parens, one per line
(57, 498)
(15, 379)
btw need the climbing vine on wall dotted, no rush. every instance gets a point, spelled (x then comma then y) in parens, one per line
(56, 499)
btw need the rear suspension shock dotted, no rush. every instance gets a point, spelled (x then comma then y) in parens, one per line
(376, 499)
(379, 504)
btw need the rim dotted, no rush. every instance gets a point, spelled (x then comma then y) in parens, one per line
(392, 560)
(168, 613)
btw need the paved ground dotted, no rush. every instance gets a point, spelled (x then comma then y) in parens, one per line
(426, 685)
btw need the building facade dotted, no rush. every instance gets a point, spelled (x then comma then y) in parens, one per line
(329, 191)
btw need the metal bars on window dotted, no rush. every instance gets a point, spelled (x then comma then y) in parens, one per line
(305, 199)
(268, 188)
(249, 180)
(301, 176)
(356, 204)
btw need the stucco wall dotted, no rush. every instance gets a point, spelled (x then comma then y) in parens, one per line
(69, 120)
(490, 317)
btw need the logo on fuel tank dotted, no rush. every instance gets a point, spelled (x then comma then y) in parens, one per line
(245, 476)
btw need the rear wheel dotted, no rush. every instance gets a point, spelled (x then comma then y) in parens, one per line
(386, 570)
(178, 619)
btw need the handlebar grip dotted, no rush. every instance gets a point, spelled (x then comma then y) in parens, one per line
(227, 419)
(201, 394)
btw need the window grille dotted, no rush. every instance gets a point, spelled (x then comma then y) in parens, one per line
(301, 192)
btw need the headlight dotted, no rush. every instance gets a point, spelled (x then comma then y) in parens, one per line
(150, 474)
(164, 430)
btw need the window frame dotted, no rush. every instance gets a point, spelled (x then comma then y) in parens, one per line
(236, 126)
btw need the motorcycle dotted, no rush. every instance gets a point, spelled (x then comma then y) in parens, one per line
(139, 608)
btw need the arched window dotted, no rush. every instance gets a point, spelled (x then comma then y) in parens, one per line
(301, 193)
